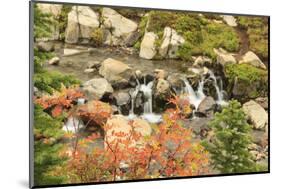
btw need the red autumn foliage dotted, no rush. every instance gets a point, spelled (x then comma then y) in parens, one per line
(168, 152)
(60, 100)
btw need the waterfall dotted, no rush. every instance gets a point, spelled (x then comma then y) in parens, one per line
(219, 90)
(147, 91)
(72, 125)
(195, 98)
(147, 110)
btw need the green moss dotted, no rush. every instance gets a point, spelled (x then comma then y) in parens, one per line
(251, 82)
(205, 36)
(50, 81)
(97, 37)
(245, 72)
(257, 30)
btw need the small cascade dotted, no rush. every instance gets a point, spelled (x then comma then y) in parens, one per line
(148, 110)
(195, 98)
(72, 125)
(219, 90)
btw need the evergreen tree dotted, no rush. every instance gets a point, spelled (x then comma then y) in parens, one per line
(229, 146)
(47, 132)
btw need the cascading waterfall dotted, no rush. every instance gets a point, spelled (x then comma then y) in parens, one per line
(219, 90)
(196, 97)
(147, 110)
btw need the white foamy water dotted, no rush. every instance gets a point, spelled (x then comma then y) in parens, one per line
(72, 125)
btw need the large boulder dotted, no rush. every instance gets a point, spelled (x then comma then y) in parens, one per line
(224, 57)
(119, 130)
(82, 21)
(171, 42)
(206, 107)
(176, 41)
(95, 113)
(148, 48)
(115, 71)
(256, 114)
(97, 88)
(252, 59)
(54, 10)
(120, 30)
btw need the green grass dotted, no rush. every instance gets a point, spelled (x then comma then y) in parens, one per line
(257, 30)
(253, 82)
(201, 34)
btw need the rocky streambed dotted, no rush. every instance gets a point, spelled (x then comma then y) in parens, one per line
(137, 89)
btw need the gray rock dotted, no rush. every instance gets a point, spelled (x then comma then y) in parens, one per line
(122, 29)
(115, 71)
(252, 59)
(256, 114)
(148, 49)
(122, 98)
(207, 106)
(82, 21)
(96, 88)
(54, 61)
(263, 101)
(224, 57)
(171, 41)
(230, 20)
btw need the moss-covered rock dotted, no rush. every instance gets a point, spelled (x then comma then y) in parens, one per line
(246, 82)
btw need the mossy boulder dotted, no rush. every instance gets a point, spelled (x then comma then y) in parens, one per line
(246, 82)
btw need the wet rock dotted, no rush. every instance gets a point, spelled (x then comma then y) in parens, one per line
(81, 22)
(252, 59)
(115, 71)
(97, 88)
(162, 87)
(202, 61)
(176, 82)
(54, 61)
(123, 30)
(46, 46)
(224, 57)
(148, 48)
(122, 98)
(206, 107)
(256, 115)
